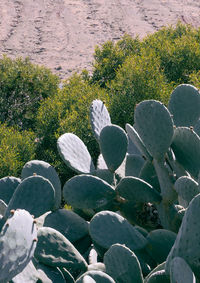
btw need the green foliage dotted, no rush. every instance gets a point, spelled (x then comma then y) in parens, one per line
(23, 86)
(109, 57)
(16, 148)
(67, 112)
(140, 77)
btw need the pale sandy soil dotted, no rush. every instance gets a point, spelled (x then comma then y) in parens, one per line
(62, 34)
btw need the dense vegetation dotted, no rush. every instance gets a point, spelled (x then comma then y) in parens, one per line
(124, 73)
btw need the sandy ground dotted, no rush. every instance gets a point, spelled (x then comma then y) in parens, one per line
(62, 34)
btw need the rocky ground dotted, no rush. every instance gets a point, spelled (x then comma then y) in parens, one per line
(62, 34)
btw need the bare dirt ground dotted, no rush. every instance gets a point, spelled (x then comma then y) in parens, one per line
(62, 34)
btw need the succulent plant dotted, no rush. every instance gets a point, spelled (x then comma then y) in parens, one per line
(133, 217)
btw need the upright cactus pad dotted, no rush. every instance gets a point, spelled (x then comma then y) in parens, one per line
(155, 126)
(113, 145)
(47, 171)
(99, 117)
(122, 264)
(75, 154)
(181, 272)
(18, 239)
(95, 276)
(35, 194)
(184, 105)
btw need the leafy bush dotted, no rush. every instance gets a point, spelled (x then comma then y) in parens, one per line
(139, 78)
(67, 112)
(23, 86)
(109, 57)
(16, 148)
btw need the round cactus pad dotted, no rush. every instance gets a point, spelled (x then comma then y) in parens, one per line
(155, 127)
(88, 192)
(108, 228)
(186, 147)
(99, 117)
(35, 194)
(133, 135)
(180, 271)
(184, 105)
(17, 244)
(75, 154)
(28, 274)
(113, 144)
(137, 190)
(187, 241)
(54, 249)
(134, 164)
(122, 264)
(47, 171)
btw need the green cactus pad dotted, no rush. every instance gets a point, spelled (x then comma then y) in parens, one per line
(29, 274)
(187, 241)
(184, 105)
(187, 188)
(186, 147)
(181, 272)
(160, 242)
(133, 165)
(95, 276)
(75, 154)
(134, 136)
(155, 127)
(67, 222)
(47, 171)
(67, 275)
(87, 192)
(55, 250)
(113, 144)
(137, 190)
(122, 264)
(99, 117)
(108, 228)
(17, 244)
(159, 277)
(34, 194)
(7, 187)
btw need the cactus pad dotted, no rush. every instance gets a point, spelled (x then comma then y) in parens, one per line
(155, 127)
(74, 153)
(113, 144)
(17, 244)
(86, 191)
(99, 117)
(184, 105)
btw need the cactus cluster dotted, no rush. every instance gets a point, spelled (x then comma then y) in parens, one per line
(134, 215)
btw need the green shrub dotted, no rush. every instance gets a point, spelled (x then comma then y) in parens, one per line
(139, 78)
(16, 148)
(23, 86)
(178, 50)
(67, 112)
(109, 57)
